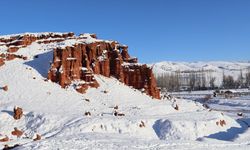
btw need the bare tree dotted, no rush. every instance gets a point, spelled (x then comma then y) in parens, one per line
(247, 81)
(203, 81)
(228, 82)
(240, 81)
(192, 80)
(170, 81)
(212, 82)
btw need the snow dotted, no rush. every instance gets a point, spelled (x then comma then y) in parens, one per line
(38, 34)
(231, 107)
(84, 38)
(212, 68)
(71, 58)
(195, 66)
(57, 114)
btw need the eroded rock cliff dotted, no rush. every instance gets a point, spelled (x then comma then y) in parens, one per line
(76, 64)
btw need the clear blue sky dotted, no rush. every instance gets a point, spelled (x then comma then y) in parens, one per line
(154, 30)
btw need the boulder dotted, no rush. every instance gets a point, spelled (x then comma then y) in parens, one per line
(17, 133)
(38, 137)
(5, 88)
(5, 139)
(18, 113)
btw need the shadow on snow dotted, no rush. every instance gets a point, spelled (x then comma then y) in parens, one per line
(41, 63)
(11, 113)
(232, 133)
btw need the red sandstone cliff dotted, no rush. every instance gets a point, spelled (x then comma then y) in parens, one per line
(79, 62)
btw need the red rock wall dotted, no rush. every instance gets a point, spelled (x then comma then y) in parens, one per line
(141, 77)
(82, 61)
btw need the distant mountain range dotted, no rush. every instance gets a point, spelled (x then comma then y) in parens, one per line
(212, 68)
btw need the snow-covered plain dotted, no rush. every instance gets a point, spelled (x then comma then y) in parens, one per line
(57, 114)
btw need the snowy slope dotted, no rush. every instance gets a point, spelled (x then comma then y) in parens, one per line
(57, 114)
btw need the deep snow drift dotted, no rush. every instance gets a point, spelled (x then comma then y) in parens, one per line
(58, 114)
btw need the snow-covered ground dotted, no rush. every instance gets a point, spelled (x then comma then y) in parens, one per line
(57, 114)
(237, 107)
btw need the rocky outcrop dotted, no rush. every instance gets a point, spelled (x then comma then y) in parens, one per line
(76, 65)
(12, 49)
(23, 40)
(15, 42)
(17, 132)
(5, 88)
(141, 77)
(1, 62)
(5, 139)
(38, 137)
(18, 113)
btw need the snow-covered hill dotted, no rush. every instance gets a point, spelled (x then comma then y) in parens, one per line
(212, 69)
(58, 114)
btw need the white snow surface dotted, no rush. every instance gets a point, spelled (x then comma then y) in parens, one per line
(57, 114)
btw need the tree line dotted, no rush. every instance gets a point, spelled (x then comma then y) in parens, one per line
(243, 81)
(200, 80)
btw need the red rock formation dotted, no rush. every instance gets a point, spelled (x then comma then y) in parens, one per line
(9, 57)
(5, 139)
(71, 64)
(81, 61)
(1, 62)
(17, 132)
(28, 38)
(23, 40)
(141, 77)
(18, 113)
(12, 49)
(5, 88)
(38, 137)
(222, 123)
